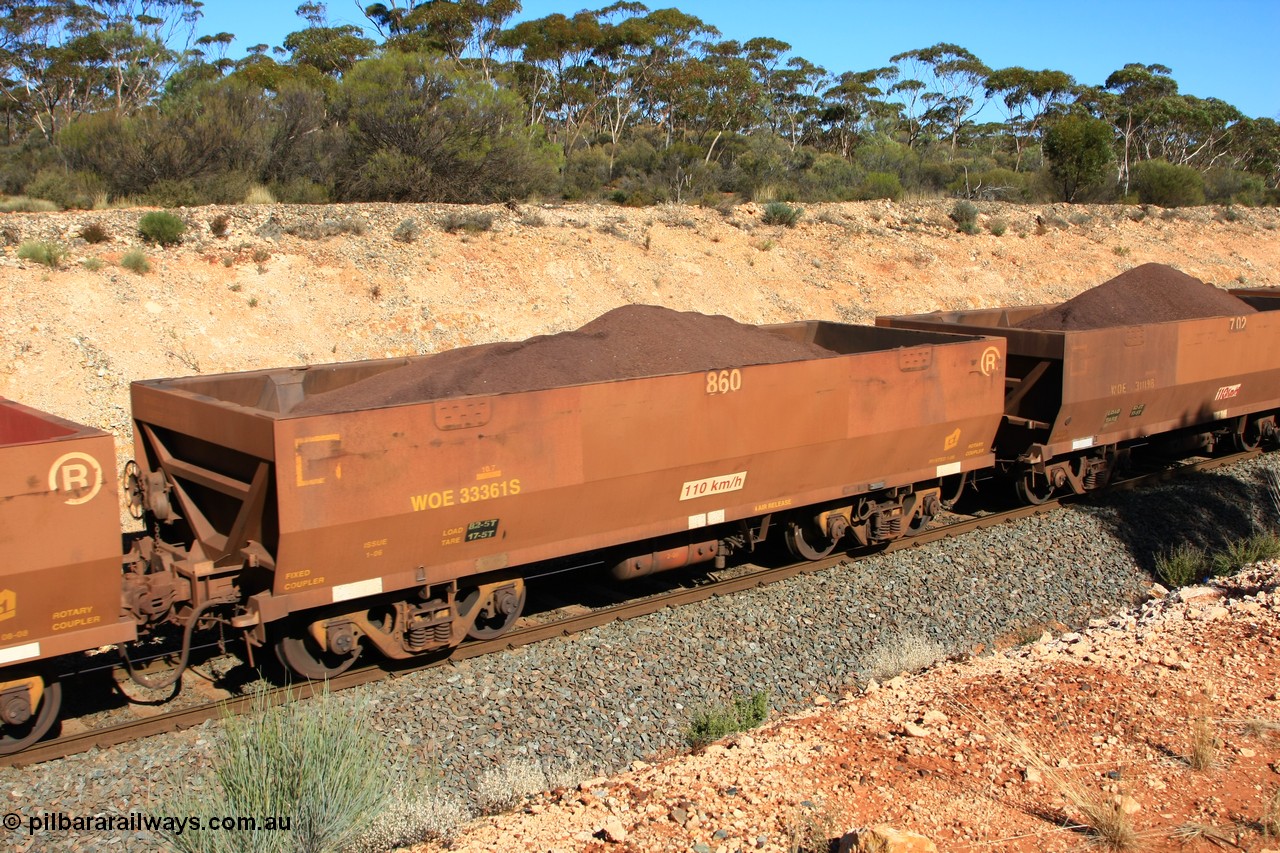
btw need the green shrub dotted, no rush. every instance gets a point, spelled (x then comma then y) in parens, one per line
(992, 184)
(586, 171)
(162, 228)
(42, 252)
(1167, 185)
(258, 194)
(1180, 566)
(66, 189)
(713, 722)
(781, 213)
(174, 192)
(326, 228)
(1231, 186)
(310, 762)
(136, 260)
(301, 191)
(639, 197)
(406, 232)
(472, 221)
(880, 185)
(92, 264)
(997, 227)
(965, 215)
(23, 204)
(1244, 552)
(94, 233)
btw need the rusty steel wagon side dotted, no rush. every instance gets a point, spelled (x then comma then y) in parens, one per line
(408, 527)
(59, 561)
(1078, 401)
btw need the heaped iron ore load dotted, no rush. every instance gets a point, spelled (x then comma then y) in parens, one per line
(1150, 293)
(387, 511)
(1151, 354)
(626, 343)
(59, 560)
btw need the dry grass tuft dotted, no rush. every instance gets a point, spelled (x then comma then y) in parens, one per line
(907, 652)
(1101, 815)
(505, 786)
(1261, 729)
(1270, 820)
(810, 829)
(1205, 743)
(1193, 831)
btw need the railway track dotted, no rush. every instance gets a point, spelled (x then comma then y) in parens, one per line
(548, 625)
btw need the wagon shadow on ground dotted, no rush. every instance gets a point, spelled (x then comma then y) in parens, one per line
(1205, 510)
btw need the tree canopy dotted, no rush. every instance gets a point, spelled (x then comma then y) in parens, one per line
(619, 102)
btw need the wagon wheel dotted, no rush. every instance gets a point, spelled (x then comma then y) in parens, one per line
(20, 726)
(929, 510)
(299, 652)
(1034, 490)
(1248, 439)
(496, 620)
(806, 542)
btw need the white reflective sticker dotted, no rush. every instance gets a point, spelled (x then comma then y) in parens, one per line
(359, 589)
(948, 469)
(1220, 414)
(713, 485)
(716, 516)
(17, 653)
(699, 520)
(1082, 443)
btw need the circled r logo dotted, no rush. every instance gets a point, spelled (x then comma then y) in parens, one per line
(990, 361)
(77, 474)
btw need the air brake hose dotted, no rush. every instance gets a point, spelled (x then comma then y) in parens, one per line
(172, 677)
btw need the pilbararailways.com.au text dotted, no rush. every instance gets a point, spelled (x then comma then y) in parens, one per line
(58, 822)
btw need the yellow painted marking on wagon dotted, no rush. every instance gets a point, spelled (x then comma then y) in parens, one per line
(303, 480)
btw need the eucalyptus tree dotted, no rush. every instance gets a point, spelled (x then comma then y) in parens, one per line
(456, 28)
(675, 45)
(63, 59)
(798, 102)
(1255, 148)
(939, 87)
(1189, 131)
(723, 95)
(422, 129)
(853, 104)
(1028, 97)
(330, 50)
(1129, 99)
(552, 51)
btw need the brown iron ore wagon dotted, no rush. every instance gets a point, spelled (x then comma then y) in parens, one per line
(1087, 384)
(327, 520)
(59, 560)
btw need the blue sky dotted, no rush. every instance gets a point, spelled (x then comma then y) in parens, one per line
(1225, 49)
